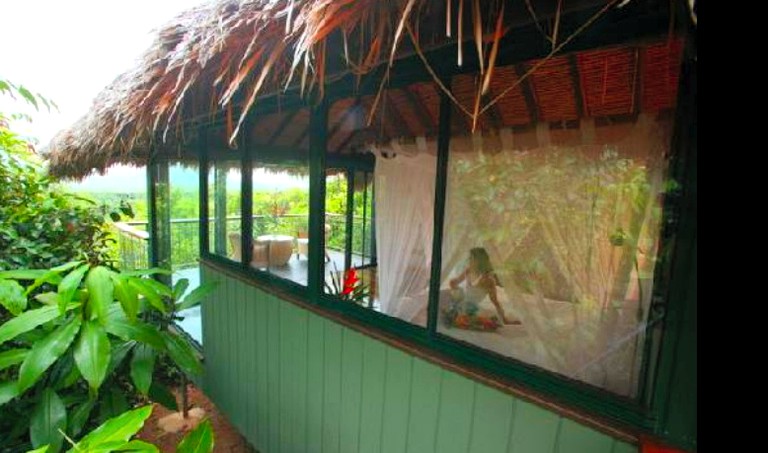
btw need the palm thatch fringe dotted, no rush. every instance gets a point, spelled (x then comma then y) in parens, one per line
(226, 54)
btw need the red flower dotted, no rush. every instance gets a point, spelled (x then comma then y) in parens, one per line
(350, 280)
(652, 447)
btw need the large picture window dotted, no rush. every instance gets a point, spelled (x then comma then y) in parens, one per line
(552, 230)
(388, 205)
(553, 200)
(280, 221)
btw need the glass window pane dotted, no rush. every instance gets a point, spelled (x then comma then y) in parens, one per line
(552, 227)
(337, 255)
(389, 146)
(224, 213)
(281, 221)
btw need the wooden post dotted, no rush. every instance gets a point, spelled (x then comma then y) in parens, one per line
(349, 219)
(203, 183)
(220, 209)
(184, 396)
(441, 179)
(318, 142)
(159, 216)
(246, 204)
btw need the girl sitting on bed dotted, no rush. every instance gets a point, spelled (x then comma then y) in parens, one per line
(481, 280)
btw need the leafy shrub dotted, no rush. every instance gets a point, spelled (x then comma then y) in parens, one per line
(80, 345)
(116, 433)
(40, 225)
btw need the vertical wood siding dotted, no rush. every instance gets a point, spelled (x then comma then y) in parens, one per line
(292, 381)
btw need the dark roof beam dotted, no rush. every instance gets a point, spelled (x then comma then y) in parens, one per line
(578, 93)
(281, 127)
(527, 89)
(344, 117)
(421, 112)
(396, 110)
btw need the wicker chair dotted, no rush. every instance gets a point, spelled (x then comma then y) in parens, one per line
(302, 243)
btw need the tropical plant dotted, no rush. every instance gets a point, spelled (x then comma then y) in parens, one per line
(116, 434)
(349, 287)
(79, 344)
(42, 226)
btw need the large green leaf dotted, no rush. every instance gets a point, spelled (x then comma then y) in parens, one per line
(26, 322)
(160, 394)
(136, 331)
(182, 353)
(180, 288)
(112, 403)
(120, 428)
(100, 293)
(142, 366)
(12, 296)
(49, 298)
(45, 352)
(127, 296)
(141, 272)
(64, 372)
(24, 274)
(92, 354)
(199, 440)
(139, 446)
(149, 292)
(69, 285)
(12, 357)
(160, 288)
(8, 391)
(197, 295)
(120, 350)
(79, 416)
(48, 417)
(65, 267)
(51, 276)
(43, 449)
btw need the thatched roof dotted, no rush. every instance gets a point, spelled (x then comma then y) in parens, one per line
(218, 60)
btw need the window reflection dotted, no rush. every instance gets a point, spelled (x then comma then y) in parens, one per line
(224, 213)
(281, 221)
(552, 229)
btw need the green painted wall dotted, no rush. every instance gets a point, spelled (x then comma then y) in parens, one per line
(290, 381)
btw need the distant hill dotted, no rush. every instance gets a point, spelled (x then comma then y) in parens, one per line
(123, 179)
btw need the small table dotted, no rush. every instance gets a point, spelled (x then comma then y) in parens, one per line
(278, 247)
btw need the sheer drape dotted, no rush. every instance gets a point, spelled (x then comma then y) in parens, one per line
(571, 229)
(405, 187)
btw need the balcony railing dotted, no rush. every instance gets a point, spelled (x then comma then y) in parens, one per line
(133, 237)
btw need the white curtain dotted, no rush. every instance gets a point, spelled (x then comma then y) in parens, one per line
(571, 226)
(570, 220)
(405, 187)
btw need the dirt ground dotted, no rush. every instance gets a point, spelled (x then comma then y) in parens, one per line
(226, 438)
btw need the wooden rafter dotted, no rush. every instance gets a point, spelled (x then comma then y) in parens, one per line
(527, 89)
(347, 140)
(347, 113)
(637, 83)
(494, 113)
(396, 110)
(418, 107)
(301, 138)
(281, 127)
(578, 92)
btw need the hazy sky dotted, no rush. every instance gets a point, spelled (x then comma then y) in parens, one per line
(70, 50)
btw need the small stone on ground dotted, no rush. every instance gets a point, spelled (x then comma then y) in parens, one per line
(166, 428)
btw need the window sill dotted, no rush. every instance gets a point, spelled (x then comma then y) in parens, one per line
(503, 384)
